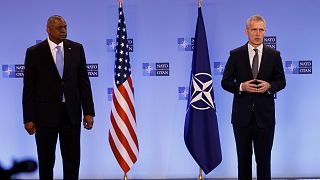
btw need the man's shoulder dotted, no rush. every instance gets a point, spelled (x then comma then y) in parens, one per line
(240, 49)
(69, 42)
(270, 50)
(39, 45)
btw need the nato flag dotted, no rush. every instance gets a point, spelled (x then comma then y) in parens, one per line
(201, 134)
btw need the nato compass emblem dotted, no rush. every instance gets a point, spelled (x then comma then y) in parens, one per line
(201, 97)
(111, 45)
(219, 68)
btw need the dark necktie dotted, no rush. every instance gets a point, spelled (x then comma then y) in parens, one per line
(255, 63)
(59, 61)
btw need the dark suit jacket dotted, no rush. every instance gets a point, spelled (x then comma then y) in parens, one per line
(43, 86)
(238, 70)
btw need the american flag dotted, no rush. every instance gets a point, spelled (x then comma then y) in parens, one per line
(122, 134)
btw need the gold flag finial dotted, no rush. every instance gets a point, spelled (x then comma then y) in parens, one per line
(120, 3)
(125, 177)
(199, 3)
(200, 177)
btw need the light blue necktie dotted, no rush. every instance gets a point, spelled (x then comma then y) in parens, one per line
(59, 64)
(59, 61)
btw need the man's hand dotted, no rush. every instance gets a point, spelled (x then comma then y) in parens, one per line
(263, 86)
(250, 86)
(88, 122)
(255, 86)
(30, 128)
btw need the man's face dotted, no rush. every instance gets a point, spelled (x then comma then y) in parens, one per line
(255, 32)
(57, 30)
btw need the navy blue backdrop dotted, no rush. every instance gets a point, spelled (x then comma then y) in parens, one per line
(160, 34)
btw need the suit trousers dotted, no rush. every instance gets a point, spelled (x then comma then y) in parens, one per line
(69, 138)
(259, 139)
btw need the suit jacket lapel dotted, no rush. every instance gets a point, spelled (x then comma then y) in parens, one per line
(49, 57)
(67, 56)
(263, 62)
(247, 60)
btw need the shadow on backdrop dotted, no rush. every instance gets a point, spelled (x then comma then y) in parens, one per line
(25, 166)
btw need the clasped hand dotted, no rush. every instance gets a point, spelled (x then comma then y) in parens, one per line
(255, 86)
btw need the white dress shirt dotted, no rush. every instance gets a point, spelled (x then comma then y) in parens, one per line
(54, 50)
(251, 55)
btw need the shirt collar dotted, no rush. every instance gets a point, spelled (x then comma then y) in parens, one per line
(54, 45)
(260, 48)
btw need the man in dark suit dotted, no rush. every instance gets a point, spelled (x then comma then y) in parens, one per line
(253, 73)
(56, 90)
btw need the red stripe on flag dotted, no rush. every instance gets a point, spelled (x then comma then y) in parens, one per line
(125, 95)
(118, 156)
(124, 118)
(129, 80)
(123, 139)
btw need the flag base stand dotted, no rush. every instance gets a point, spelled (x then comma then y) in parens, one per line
(200, 177)
(125, 177)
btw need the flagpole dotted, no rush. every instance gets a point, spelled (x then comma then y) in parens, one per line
(193, 130)
(125, 177)
(200, 177)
